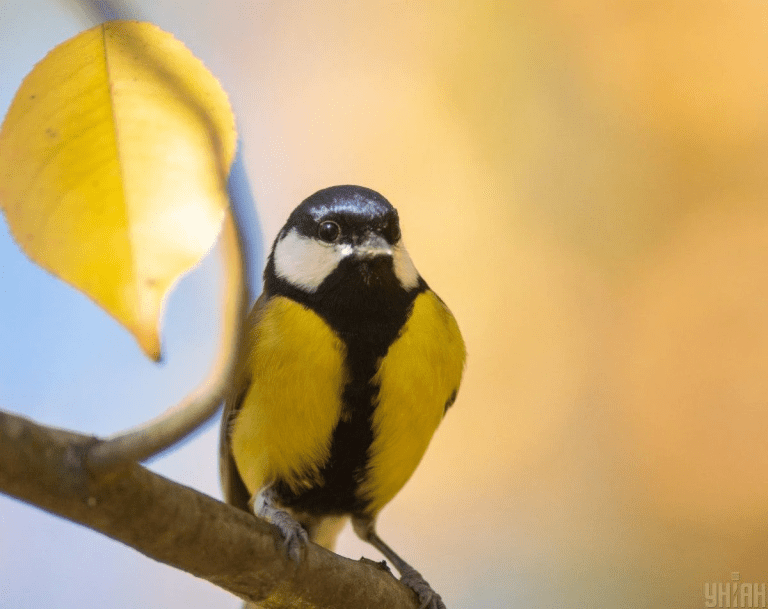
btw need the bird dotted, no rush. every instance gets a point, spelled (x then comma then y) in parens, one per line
(348, 365)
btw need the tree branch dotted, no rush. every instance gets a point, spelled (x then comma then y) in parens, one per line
(181, 527)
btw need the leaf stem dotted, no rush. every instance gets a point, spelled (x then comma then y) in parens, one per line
(148, 439)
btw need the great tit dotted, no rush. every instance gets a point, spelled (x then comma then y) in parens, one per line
(349, 364)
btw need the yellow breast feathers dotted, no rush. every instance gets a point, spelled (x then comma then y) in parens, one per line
(285, 424)
(417, 378)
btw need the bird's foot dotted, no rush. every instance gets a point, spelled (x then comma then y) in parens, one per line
(295, 537)
(428, 598)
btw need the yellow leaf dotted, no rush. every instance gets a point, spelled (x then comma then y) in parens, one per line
(113, 163)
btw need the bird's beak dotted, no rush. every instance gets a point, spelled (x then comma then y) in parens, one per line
(372, 246)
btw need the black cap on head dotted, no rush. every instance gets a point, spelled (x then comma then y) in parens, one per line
(354, 208)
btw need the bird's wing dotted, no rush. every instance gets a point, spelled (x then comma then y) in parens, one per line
(233, 487)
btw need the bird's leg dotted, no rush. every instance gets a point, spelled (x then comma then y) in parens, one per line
(365, 528)
(296, 537)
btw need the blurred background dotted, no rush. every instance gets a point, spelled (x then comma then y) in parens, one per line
(584, 183)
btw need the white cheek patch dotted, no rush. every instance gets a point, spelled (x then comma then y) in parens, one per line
(405, 271)
(305, 262)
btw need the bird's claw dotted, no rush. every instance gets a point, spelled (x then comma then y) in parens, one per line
(295, 536)
(428, 598)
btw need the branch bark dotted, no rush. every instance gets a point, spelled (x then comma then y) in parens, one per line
(181, 527)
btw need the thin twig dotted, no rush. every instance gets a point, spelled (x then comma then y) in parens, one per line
(152, 437)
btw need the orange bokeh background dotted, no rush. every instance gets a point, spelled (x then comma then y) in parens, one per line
(585, 185)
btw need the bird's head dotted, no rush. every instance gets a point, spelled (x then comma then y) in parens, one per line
(343, 236)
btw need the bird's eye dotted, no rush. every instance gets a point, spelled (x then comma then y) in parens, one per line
(329, 231)
(392, 232)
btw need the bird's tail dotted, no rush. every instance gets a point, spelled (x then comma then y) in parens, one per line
(324, 531)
